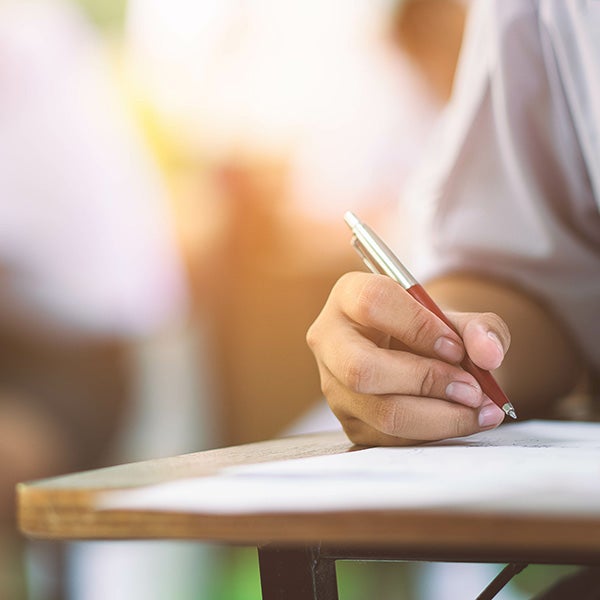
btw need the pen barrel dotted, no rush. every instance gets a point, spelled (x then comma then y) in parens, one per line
(484, 378)
(418, 292)
(487, 382)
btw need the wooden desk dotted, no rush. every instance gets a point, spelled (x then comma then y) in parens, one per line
(297, 551)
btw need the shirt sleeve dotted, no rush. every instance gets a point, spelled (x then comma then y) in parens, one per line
(510, 191)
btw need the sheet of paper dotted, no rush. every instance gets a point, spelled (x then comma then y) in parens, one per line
(536, 465)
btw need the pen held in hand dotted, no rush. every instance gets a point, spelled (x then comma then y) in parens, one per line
(380, 259)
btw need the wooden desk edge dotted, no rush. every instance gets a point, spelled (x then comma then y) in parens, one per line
(50, 508)
(63, 508)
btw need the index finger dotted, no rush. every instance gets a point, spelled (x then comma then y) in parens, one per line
(378, 302)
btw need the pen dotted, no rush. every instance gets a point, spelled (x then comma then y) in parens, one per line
(380, 259)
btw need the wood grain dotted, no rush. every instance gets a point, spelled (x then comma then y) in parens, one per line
(63, 508)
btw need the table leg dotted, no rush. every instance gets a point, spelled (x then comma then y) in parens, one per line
(296, 573)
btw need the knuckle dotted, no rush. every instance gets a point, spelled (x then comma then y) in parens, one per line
(460, 424)
(358, 372)
(428, 381)
(372, 293)
(422, 328)
(312, 336)
(393, 420)
(345, 280)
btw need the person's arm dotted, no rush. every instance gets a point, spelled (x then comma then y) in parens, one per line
(390, 369)
(512, 203)
(543, 363)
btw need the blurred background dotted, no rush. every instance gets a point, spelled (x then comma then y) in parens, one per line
(173, 177)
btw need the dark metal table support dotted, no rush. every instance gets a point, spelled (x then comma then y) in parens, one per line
(292, 573)
(501, 580)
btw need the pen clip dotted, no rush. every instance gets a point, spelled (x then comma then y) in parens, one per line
(365, 257)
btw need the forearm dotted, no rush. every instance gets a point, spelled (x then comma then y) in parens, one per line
(542, 364)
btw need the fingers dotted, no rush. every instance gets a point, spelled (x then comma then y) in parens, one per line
(361, 434)
(378, 303)
(364, 435)
(403, 420)
(486, 337)
(363, 368)
(390, 369)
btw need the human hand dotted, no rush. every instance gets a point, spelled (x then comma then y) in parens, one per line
(390, 369)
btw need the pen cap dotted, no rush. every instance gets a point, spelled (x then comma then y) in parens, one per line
(376, 254)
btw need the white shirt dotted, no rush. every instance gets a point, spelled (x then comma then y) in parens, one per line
(517, 181)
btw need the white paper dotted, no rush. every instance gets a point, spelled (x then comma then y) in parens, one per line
(537, 465)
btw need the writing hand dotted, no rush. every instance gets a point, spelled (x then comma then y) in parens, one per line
(390, 369)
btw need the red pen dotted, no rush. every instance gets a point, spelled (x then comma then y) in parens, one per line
(380, 259)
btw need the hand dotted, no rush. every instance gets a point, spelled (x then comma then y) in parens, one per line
(390, 369)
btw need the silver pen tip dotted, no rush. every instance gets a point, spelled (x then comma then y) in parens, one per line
(509, 409)
(351, 219)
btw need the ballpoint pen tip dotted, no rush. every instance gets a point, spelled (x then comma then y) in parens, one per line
(509, 409)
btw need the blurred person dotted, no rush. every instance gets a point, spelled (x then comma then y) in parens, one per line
(513, 248)
(88, 258)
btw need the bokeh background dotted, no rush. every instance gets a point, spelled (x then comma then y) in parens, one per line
(173, 176)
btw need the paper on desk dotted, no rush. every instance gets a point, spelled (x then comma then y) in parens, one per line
(533, 465)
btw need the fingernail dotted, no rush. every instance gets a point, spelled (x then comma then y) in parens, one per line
(448, 350)
(464, 393)
(490, 416)
(492, 336)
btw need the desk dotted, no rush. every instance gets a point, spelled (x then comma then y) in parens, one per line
(297, 551)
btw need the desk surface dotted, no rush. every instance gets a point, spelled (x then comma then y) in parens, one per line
(65, 508)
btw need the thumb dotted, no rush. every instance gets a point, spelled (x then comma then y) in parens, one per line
(485, 335)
